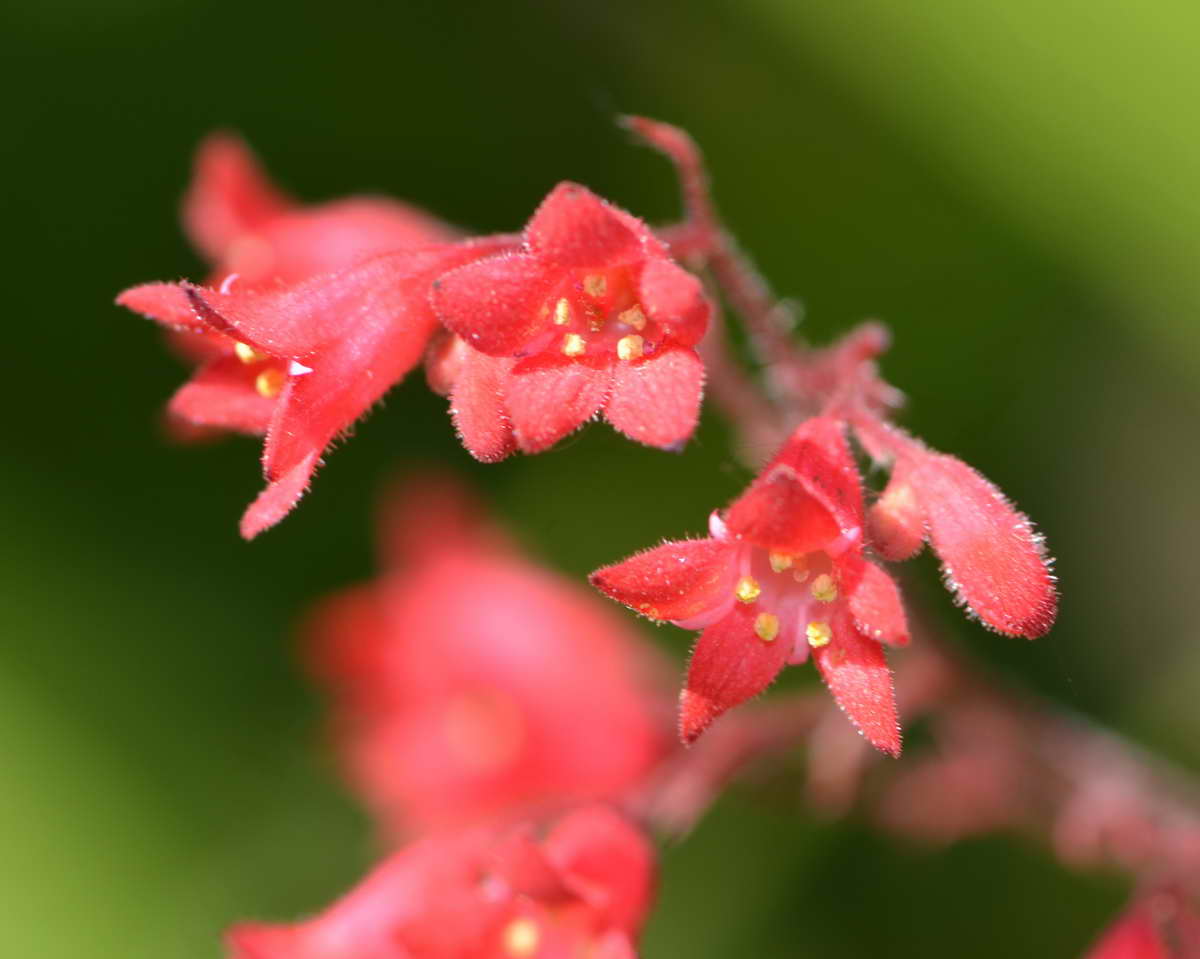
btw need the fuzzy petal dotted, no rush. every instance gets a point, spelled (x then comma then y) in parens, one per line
(729, 666)
(575, 228)
(229, 195)
(991, 557)
(656, 400)
(497, 304)
(222, 394)
(166, 303)
(856, 672)
(674, 298)
(896, 522)
(550, 396)
(877, 608)
(277, 500)
(477, 406)
(674, 581)
(806, 497)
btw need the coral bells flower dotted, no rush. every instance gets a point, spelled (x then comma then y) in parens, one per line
(1160, 925)
(583, 890)
(471, 684)
(590, 316)
(280, 315)
(781, 577)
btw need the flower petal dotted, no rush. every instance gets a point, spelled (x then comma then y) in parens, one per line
(277, 500)
(677, 580)
(675, 299)
(229, 195)
(222, 394)
(575, 228)
(656, 400)
(877, 608)
(806, 497)
(729, 666)
(607, 862)
(497, 304)
(992, 559)
(477, 406)
(165, 303)
(895, 521)
(549, 396)
(856, 672)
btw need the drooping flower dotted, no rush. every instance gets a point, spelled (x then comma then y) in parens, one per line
(472, 685)
(280, 311)
(582, 890)
(781, 577)
(590, 316)
(1161, 924)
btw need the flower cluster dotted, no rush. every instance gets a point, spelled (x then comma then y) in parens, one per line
(485, 710)
(312, 315)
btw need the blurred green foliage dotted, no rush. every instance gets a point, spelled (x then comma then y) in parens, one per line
(1011, 186)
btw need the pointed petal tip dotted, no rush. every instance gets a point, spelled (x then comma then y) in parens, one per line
(696, 713)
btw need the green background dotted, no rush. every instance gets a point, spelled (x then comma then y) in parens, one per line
(1012, 185)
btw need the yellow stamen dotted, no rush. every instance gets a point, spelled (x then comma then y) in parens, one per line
(819, 634)
(574, 345)
(633, 317)
(747, 589)
(780, 561)
(268, 383)
(562, 312)
(766, 627)
(630, 347)
(521, 938)
(247, 353)
(595, 285)
(824, 588)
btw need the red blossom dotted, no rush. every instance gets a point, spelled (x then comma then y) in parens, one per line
(590, 316)
(1159, 925)
(471, 684)
(286, 346)
(582, 890)
(782, 574)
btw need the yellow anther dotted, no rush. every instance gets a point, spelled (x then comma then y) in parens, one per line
(766, 627)
(630, 347)
(824, 588)
(574, 345)
(521, 938)
(747, 589)
(562, 312)
(780, 561)
(268, 383)
(595, 285)
(247, 353)
(633, 317)
(819, 634)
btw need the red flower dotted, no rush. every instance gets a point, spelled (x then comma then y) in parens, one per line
(781, 575)
(472, 684)
(590, 316)
(1162, 925)
(583, 890)
(289, 347)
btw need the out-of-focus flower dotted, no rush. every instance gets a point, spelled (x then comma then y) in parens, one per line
(583, 890)
(590, 316)
(471, 684)
(1161, 924)
(781, 575)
